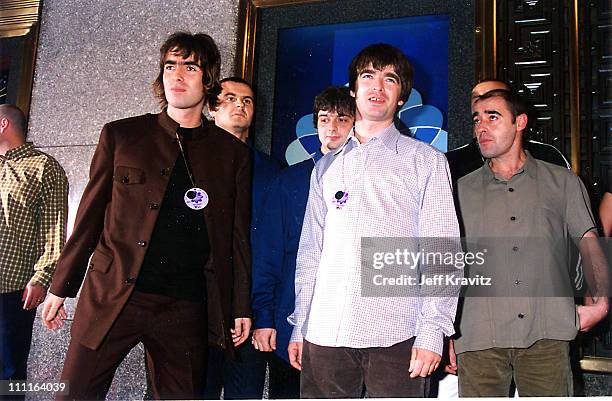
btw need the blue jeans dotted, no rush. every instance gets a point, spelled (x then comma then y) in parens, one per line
(16, 335)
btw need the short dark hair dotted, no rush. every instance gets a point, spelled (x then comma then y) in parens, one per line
(213, 100)
(334, 98)
(380, 56)
(516, 104)
(15, 116)
(205, 53)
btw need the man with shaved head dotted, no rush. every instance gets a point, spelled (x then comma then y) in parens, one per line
(33, 207)
(467, 158)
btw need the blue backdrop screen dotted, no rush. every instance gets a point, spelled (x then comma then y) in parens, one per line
(309, 59)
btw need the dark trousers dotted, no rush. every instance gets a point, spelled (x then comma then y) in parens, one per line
(542, 370)
(174, 333)
(240, 379)
(341, 372)
(15, 337)
(244, 377)
(284, 379)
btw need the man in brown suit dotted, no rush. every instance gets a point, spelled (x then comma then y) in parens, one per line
(166, 214)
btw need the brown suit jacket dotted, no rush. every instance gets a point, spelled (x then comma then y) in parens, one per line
(128, 178)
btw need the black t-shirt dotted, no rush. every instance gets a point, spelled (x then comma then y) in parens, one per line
(179, 247)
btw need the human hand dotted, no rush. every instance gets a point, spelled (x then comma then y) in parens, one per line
(452, 359)
(295, 354)
(53, 312)
(241, 330)
(423, 362)
(590, 315)
(264, 340)
(33, 295)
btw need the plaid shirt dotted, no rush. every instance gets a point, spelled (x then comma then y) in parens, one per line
(33, 209)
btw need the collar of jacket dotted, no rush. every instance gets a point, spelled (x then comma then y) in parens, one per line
(170, 126)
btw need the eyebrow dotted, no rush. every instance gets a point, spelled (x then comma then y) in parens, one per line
(174, 62)
(387, 74)
(233, 94)
(490, 112)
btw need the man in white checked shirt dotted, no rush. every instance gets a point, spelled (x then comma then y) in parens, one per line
(379, 184)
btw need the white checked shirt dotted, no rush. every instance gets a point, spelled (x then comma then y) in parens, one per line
(398, 187)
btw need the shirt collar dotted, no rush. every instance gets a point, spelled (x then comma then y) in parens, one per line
(170, 126)
(388, 137)
(19, 152)
(316, 156)
(530, 168)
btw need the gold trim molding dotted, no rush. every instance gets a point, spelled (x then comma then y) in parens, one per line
(596, 364)
(18, 17)
(485, 36)
(248, 29)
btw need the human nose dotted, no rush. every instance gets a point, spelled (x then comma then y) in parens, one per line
(239, 102)
(377, 83)
(177, 73)
(480, 128)
(333, 125)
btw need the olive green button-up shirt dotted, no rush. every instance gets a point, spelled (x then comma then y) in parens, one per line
(525, 224)
(33, 209)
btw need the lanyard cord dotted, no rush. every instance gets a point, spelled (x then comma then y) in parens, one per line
(185, 160)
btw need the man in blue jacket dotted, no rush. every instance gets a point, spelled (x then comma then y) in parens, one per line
(242, 377)
(281, 224)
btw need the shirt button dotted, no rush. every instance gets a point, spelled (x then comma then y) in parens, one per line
(517, 282)
(154, 206)
(515, 248)
(510, 189)
(125, 179)
(521, 315)
(141, 243)
(513, 218)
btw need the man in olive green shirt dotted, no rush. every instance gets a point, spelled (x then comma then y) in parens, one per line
(33, 207)
(517, 323)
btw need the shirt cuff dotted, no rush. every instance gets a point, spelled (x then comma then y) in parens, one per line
(430, 338)
(296, 334)
(263, 319)
(41, 278)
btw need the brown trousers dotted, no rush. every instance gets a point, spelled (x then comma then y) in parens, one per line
(341, 372)
(174, 335)
(542, 370)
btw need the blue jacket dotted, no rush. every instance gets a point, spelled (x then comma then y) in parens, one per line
(275, 252)
(265, 170)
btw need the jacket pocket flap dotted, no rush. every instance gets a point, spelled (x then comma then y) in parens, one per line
(100, 261)
(129, 175)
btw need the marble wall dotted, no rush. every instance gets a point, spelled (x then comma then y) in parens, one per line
(96, 61)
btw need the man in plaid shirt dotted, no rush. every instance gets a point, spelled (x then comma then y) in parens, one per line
(33, 207)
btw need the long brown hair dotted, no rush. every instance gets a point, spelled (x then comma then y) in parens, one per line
(205, 53)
